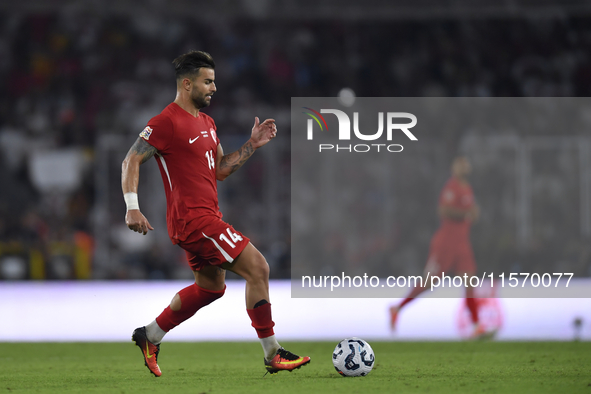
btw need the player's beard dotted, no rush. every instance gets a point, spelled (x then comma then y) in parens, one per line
(200, 101)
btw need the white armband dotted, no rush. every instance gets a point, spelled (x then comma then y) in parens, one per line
(131, 201)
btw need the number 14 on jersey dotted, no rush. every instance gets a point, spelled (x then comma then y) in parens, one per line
(210, 159)
(233, 238)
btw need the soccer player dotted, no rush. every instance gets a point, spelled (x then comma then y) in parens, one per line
(191, 161)
(450, 250)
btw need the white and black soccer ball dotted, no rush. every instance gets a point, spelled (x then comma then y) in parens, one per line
(353, 357)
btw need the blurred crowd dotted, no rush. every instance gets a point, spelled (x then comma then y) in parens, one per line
(69, 77)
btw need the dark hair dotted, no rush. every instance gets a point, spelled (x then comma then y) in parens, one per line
(190, 63)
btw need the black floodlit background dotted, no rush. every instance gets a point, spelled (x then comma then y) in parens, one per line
(369, 207)
(80, 79)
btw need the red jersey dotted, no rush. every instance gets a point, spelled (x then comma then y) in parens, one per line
(456, 194)
(187, 152)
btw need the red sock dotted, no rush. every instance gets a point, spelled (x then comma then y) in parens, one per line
(472, 305)
(193, 298)
(261, 320)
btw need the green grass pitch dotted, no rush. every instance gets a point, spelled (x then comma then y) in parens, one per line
(205, 367)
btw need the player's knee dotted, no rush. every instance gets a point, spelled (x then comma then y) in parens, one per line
(251, 265)
(260, 269)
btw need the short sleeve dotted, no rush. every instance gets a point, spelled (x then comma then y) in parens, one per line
(158, 132)
(213, 131)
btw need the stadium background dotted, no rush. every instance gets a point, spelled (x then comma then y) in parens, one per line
(80, 79)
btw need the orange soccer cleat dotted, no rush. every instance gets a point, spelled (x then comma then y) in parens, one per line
(149, 350)
(285, 361)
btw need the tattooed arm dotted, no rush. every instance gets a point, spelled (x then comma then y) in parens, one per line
(139, 153)
(261, 134)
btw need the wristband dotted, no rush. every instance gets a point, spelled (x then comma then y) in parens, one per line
(131, 201)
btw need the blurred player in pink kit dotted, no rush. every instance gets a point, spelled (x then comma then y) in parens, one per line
(191, 161)
(450, 250)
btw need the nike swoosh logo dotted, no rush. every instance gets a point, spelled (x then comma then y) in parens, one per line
(193, 140)
(148, 351)
(290, 362)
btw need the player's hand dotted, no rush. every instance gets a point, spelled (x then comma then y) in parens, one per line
(137, 222)
(262, 133)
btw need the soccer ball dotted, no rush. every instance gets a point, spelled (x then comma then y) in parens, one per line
(353, 357)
